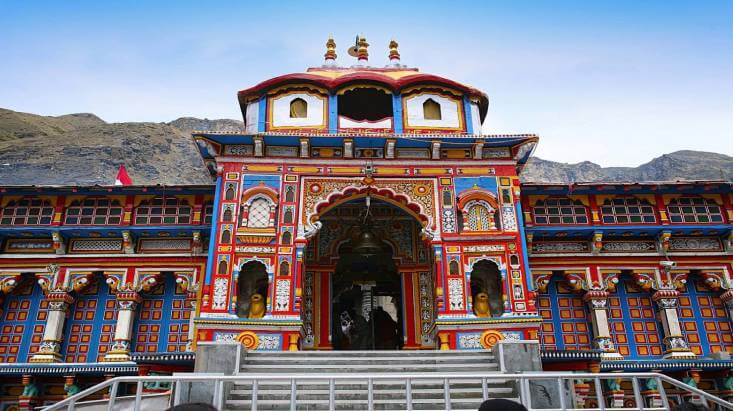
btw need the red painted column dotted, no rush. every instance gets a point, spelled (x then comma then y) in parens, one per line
(409, 304)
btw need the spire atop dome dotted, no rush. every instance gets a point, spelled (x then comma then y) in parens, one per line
(394, 54)
(362, 52)
(330, 56)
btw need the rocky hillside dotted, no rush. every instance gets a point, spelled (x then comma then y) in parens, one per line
(85, 150)
(680, 165)
(82, 149)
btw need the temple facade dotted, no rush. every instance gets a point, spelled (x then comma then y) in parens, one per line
(362, 208)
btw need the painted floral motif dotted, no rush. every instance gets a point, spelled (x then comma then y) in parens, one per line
(628, 246)
(455, 293)
(269, 342)
(282, 295)
(449, 221)
(508, 219)
(308, 338)
(220, 293)
(469, 341)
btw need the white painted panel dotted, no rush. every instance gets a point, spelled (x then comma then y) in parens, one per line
(281, 111)
(475, 119)
(251, 117)
(448, 111)
(345, 122)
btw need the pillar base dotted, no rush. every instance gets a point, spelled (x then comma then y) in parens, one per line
(45, 358)
(116, 357)
(679, 355)
(611, 356)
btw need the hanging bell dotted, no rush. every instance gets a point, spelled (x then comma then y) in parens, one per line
(367, 244)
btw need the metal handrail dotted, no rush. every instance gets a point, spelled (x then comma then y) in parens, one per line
(523, 379)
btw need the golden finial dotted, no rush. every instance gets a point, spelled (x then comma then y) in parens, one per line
(330, 50)
(394, 54)
(362, 53)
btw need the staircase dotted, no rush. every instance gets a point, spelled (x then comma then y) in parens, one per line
(388, 394)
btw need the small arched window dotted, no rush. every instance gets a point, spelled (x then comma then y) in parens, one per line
(453, 268)
(284, 268)
(288, 216)
(222, 267)
(259, 214)
(298, 108)
(289, 194)
(431, 110)
(287, 238)
(226, 237)
(447, 198)
(227, 216)
(229, 195)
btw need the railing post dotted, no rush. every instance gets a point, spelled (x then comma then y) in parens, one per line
(484, 389)
(138, 395)
(293, 394)
(637, 393)
(254, 395)
(446, 393)
(72, 405)
(408, 394)
(524, 395)
(662, 393)
(219, 392)
(561, 393)
(370, 394)
(113, 395)
(331, 394)
(599, 393)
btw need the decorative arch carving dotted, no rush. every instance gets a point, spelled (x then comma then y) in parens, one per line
(415, 197)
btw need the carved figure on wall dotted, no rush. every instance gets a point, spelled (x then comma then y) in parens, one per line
(256, 306)
(481, 305)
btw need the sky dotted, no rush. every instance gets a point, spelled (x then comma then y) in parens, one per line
(616, 82)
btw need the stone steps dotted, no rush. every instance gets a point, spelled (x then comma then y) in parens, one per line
(352, 394)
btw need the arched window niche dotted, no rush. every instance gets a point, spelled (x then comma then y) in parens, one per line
(431, 110)
(486, 289)
(298, 108)
(252, 290)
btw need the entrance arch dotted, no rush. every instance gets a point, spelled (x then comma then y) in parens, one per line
(365, 271)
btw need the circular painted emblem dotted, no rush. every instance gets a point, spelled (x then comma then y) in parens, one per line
(249, 339)
(421, 190)
(489, 338)
(315, 188)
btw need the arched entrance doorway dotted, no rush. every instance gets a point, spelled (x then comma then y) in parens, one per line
(368, 279)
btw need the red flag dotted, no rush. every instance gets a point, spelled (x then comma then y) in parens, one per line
(123, 179)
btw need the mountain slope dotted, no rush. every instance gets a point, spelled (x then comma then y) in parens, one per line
(679, 165)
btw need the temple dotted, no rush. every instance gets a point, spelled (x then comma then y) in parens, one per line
(362, 208)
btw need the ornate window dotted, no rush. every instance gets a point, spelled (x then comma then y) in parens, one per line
(259, 213)
(704, 320)
(478, 210)
(694, 210)
(27, 211)
(223, 267)
(633, 323)
(94, 211)
(284, 268)
(163, 211)
(627, 210)
(24, 309)
(480, 217)
(431, 110)
(227, 216)
(162, 320)
(560, 211)
(565, 324)
(298, 108)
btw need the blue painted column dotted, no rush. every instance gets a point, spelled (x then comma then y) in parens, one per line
(262, 115)
(212, 233)
(468, 115)
(397, 113)
(333, 113)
